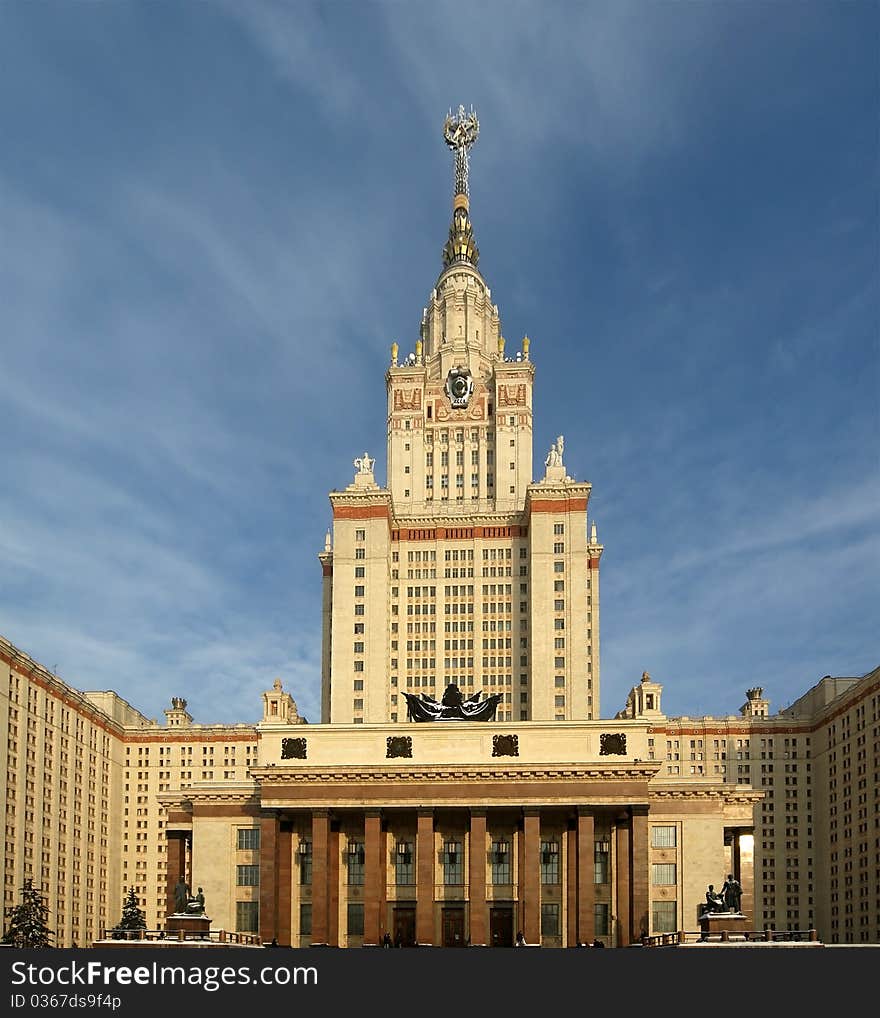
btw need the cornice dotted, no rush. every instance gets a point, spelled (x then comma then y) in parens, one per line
(360, 496)
(274, 774)
(438, 521)
(728, 794)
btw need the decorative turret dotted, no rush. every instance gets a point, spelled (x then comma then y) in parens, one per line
(279, 707)
(643, 700)
(177, 716)
(756, 706)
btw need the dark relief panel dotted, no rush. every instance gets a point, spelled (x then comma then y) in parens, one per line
(612, 744)
(293, 749)
(505, 745)
(398, 745)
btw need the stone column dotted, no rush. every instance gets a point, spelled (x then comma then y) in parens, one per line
(530, 877)
(640, 923)
(425, 877)
(744, 868)
(586, 883)
(333, 864)
(176, 867)
(374, 878)
(285, 883)
(622, 881)
(477, 878)
(571, 887)
(268, 877)
(320, 877)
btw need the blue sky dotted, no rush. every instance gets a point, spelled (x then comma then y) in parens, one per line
(217, 217)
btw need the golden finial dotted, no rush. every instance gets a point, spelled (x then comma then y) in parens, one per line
(394, 349)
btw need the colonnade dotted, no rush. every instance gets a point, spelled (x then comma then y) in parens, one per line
(325, 830)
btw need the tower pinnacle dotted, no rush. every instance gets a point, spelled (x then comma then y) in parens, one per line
(460, 131)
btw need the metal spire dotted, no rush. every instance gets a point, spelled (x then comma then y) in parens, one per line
(460, 131)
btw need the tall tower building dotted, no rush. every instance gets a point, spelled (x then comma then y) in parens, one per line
(463, 569)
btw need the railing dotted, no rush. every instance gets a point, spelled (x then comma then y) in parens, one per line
(175, 936)
(749, 936)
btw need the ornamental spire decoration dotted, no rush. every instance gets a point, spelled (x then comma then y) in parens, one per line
(460, 131)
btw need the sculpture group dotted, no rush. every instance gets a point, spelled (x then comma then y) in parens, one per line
(727, 900)
(554, 457)
(186, 903)
(453, 706)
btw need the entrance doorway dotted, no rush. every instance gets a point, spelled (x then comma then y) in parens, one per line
(453, 927)
(501, 925)
(404, 924)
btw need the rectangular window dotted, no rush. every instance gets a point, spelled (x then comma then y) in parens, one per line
(358, 666)
(360, 535)
(404, 863)
(247, 916)
(356, 862)
(663, 873)
(247, 876)
(305, 920)
(549, 919)
(359, 591)
(355, 919)
(558, 547)
(601, 862)
(550, 862)
(501, 861)
(664, 918)
(559, 662)
(558, 567)
(601, 916)
(453, 863)
(559, 605)
(558, 528)
(248, 837)
(305, 863)
(663, 837)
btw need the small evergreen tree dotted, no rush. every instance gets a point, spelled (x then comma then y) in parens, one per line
(28, 922)
(132, 916)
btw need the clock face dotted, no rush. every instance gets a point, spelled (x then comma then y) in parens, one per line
(459, 387)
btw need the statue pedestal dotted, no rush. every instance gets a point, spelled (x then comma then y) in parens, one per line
(554, 475)
(185, 926)
(723, 923)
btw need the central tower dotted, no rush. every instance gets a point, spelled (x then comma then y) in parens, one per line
(461, 570)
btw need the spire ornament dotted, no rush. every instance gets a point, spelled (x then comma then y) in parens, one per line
(460, 131)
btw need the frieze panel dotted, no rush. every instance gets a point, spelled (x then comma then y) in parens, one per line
(511, 395)
(612, 743)
(407, 399)
(293, 749)
(398, 745)
(505, 745)
(473, 413)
